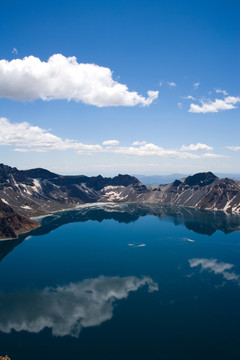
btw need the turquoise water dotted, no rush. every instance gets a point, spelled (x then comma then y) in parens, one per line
(123, 282)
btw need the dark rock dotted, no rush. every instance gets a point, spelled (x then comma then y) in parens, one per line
(200, 179)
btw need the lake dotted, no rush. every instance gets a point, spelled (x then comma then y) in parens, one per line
(123, 281)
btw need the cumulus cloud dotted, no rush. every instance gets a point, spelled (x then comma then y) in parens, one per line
(67, 309)
(215, 106)
(111, 142)
(196, 85)
(171, 83)
(149, 149)
(196, 147)
(25, 137)
(233, 148)
(64, 78)
(215, 266)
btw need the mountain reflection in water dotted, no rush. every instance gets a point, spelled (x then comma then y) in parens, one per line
(67, 309)
(200, 221)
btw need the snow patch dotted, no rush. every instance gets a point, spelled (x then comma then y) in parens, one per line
(5, 201)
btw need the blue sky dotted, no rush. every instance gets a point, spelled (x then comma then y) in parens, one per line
(59, 113)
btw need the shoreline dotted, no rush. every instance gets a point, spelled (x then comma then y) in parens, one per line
(38, 225)
(85, 205)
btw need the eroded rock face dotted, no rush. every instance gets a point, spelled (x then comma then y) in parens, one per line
(39, 191)
(12, 224)
(200, 179)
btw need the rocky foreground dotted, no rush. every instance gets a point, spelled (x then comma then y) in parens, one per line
(28, 193)
(12, 224)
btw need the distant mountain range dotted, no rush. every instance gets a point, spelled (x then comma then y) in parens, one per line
(29, 193)
(166, 179)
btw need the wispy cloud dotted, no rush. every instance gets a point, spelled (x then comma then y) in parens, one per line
(14, 51)
(189, 97)
(110, 142)
(137, 143)
(215, 106)
(219, 91)
(233, 148)
(215, 266)
(64, 78)
(196, 147)
(196, 85)
(179, 105)
(171, 84)
(25, 137)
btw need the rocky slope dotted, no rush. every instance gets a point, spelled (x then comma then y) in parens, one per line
(201, 191)
(39, 191)
(12, 224)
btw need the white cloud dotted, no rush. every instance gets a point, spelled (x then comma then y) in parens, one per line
(171, 83)
(233, 148)
(149, 149)
(137, 143)
(64, 78)
(14, 51)
(196, 147)
(160, 83)
(25, 137)
(215, 106)
(179, 105)
(189, 97)
(215, 266)
(214, 156)
(219, 91)
(196, 85)
(67, 309)
(110, 142)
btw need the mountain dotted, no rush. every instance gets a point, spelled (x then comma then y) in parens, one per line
(201, 191)
(12, 224)
(39, 192)
(165, 179)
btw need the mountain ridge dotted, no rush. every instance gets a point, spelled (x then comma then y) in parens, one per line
(38, 191)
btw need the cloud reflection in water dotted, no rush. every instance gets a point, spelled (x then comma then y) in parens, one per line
(217, 267)
(67, 309)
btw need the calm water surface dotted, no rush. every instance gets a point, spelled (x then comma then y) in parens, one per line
(123, 282)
